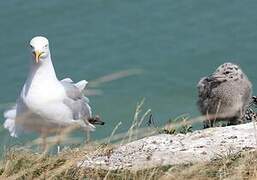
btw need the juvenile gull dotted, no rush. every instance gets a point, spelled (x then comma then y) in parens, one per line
(224, 95)
(45, 104)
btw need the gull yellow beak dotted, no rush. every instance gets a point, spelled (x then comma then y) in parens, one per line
(37, 55)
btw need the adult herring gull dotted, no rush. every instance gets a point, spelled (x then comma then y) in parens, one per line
(45, 104)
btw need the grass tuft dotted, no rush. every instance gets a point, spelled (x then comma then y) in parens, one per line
(22, 164)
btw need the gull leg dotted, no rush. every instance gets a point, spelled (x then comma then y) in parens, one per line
(87, 130)
(44, 143)
(87, 136)
(58, 149)
(59, 142)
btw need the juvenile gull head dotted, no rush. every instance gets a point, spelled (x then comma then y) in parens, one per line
(224, 95)
(228, 72)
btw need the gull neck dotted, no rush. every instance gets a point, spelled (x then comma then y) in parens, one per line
(42, 71)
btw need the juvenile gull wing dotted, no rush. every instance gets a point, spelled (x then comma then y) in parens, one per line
(205, 86)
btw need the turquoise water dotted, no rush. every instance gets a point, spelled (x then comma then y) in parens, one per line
(174, 43)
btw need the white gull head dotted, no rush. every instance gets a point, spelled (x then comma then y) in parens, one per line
(39, 48)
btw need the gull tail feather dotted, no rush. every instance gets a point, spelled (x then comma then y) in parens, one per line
(68, 80)
(81, 85)
(87, 126)
(11, 113)
(10, 124)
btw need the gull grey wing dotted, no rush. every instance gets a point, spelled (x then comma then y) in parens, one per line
(71, 90)
(76, 101)
(80, 109)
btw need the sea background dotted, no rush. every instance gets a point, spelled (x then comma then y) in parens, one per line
(172, 43)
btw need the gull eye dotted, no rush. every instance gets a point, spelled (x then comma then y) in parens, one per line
(227, 72)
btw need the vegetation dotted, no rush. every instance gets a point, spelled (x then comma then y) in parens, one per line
(22, 164)
(181, 124)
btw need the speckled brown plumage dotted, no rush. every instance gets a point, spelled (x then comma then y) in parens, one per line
(224, 95)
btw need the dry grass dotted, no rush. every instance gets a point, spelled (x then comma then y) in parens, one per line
(21, 164)
(25, 164)
(181, 124)
(238, 166)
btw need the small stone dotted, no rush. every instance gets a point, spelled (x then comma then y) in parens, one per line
(154, 142)
(232, 137)
(204, 153)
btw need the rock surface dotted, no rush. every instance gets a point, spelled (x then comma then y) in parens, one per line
(165, 149)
